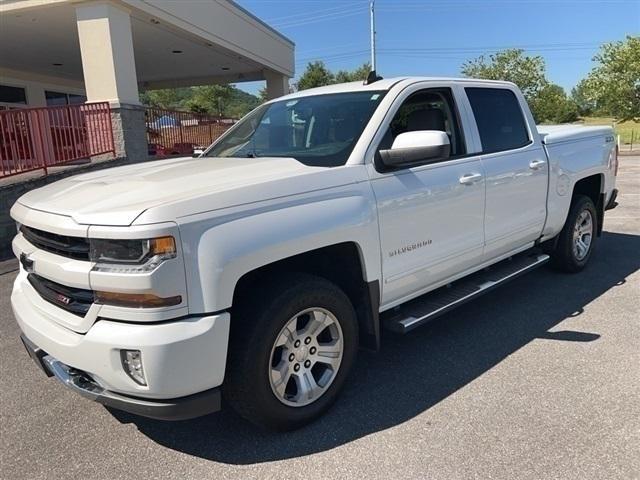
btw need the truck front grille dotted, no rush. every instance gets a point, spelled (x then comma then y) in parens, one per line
(74, 300)
(71, 247)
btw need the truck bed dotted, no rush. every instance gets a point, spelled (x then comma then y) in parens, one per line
(552, 134)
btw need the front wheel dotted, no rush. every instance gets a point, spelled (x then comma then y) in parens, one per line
(576, 241)
(290, 352)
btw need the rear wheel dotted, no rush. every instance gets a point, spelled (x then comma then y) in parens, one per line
(577, 239)
(290, 352)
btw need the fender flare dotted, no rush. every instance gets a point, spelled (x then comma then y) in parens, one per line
(234, 245)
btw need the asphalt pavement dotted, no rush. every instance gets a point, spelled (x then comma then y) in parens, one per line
(538, 379)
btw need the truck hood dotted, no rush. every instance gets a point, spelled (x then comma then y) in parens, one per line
(117, 196)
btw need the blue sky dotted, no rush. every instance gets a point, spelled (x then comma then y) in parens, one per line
(434, 37)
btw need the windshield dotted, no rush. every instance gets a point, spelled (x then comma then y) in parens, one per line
(318, 130)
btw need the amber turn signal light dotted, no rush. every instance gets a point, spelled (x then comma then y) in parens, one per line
(162, 246)
(135, 300)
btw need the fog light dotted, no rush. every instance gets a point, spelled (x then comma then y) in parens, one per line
(132, 364)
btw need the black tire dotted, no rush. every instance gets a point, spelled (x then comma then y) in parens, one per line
(564, 256)
(257, 324)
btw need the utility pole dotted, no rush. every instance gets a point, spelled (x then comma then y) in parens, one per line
(373, 34)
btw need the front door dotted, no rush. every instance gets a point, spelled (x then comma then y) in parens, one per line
(431, 216)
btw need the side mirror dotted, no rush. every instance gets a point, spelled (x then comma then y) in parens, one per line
(410, 148)
(197, 152)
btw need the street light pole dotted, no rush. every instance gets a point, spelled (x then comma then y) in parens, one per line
(373, 35)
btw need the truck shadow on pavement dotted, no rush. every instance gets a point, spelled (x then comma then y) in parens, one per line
(413, 373)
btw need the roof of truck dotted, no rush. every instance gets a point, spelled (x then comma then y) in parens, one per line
(384, 84)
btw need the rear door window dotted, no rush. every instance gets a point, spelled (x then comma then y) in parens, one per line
(500, 121)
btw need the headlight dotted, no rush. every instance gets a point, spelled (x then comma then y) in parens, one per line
(130, 256)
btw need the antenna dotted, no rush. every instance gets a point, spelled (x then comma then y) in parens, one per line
(373, 34)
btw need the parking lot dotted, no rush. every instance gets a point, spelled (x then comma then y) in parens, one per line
(538, 379)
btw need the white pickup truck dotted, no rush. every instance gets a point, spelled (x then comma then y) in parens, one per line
(257, 270)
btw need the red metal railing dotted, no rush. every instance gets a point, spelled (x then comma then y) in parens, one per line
(171, 132)
(34, 138)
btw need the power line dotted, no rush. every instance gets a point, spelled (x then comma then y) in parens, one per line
(338, 56)
(333, 47)
(501, 47)
(444, 52)
(321, 18)
(490, 3)
(317, 52)
(296, 16)
(480, 50)
(453, 2)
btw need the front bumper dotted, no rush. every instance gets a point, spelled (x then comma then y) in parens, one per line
(184, 408)
(181, 358)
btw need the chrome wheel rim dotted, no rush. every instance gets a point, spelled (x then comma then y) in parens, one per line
(582, 235)
(306, 357)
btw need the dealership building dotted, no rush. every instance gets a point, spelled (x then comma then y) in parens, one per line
(64, 52)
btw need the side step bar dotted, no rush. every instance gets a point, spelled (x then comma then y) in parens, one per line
(431, 305)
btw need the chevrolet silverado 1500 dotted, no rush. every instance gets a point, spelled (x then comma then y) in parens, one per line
(257, 270)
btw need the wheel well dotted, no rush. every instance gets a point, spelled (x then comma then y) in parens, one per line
(592, 188)
(340, 264)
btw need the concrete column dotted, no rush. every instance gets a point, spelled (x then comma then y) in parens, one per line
(35, 95)
(108, 64)
(277, 84)
(106, 46)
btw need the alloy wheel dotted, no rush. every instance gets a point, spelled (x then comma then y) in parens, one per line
(582, 235)
(306, 357)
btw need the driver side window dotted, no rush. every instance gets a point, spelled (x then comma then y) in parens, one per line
(432, 109)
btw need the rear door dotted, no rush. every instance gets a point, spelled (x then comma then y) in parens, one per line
(515, 165)
(430, 216)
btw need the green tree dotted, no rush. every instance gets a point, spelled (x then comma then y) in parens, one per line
(581, 97)
(315, 75)
(195, 107)
(613, 86)
(168, 98)
(240, 103)
(548, 102)
(551, 104)
(318, 75)
(221, 100)
(511, 65)
(263, 94)
(211, 98)
(360, 73)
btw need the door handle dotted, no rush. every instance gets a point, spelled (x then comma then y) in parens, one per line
(470, 178)
(536, 164)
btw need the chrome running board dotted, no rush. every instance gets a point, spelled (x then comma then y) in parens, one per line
(431, 305)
